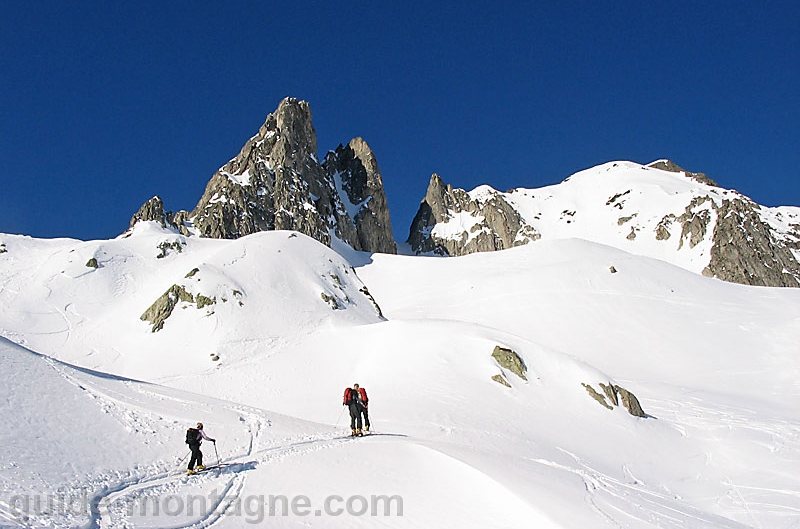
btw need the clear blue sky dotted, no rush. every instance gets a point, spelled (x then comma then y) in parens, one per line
(105, 104)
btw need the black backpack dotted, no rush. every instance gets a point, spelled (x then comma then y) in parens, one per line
(191, 436)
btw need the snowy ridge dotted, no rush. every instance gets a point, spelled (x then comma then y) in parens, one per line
(609, 203)
(645, 210)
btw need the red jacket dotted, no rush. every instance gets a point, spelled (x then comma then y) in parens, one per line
(348, 396)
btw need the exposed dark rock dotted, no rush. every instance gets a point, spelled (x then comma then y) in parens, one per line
(153, 210)
(630, 402)
(330, 300)
(486, 223)
(92, 263)
(168, 247)
(612, 201)
(274, 183)
(159, 311)
(695, 223)
(204, 301)
(745, 249)
(277, 183)
(614, 395)
(669, 165)
(500, 379)
(508, 359)
(356, 169)
(662, 230)
(366, 292)
(599, 397)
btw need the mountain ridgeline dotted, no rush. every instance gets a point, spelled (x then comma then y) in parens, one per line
(660, 210)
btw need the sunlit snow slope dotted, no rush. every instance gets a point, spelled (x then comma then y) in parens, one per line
(715, 366)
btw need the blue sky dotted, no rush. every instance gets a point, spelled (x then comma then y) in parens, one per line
(105, 104)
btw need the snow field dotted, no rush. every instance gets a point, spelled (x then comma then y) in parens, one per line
(713, 364)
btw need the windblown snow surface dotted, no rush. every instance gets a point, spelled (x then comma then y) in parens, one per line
(94, 404)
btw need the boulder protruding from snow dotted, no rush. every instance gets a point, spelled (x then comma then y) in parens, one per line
(510, 360)
(613, 395)
(162, 308)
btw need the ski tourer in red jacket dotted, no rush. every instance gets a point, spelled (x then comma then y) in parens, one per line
(356, 399)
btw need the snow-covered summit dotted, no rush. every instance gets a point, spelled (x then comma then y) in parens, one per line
(656, 210)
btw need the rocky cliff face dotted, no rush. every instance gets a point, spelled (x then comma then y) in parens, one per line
(358, 180)
(660, 210)
(748, 250)
(454, 222)
(277, 183)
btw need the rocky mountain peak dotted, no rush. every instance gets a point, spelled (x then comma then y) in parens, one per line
(153, 210)
(292, 124)
(354, 169)
(277, 183)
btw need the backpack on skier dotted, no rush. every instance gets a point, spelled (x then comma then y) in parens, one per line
(191, 436)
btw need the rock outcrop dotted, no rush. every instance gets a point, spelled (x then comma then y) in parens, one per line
(162, 308)
(453, 222)
(277, 183)
(669, 165)
(153, 210)
(509, 360)
(746, 250)
(613, 395)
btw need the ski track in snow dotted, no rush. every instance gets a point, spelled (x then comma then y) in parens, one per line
(111, 507)
(619, 502)
(113, 503)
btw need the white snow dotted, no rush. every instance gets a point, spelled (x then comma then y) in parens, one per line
(460, 226)
(714, 364)
(352, 209)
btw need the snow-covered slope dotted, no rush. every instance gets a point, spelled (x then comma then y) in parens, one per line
(647, 210)
(261, 292)
(714, 365)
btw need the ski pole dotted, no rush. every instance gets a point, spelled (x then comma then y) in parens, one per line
(183, 459)
(218, 461)
(340, 418)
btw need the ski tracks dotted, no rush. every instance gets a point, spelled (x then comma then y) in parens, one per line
(116, 507)
(621, 502)
(118, 501)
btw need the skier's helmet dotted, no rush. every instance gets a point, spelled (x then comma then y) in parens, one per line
(199, 426)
